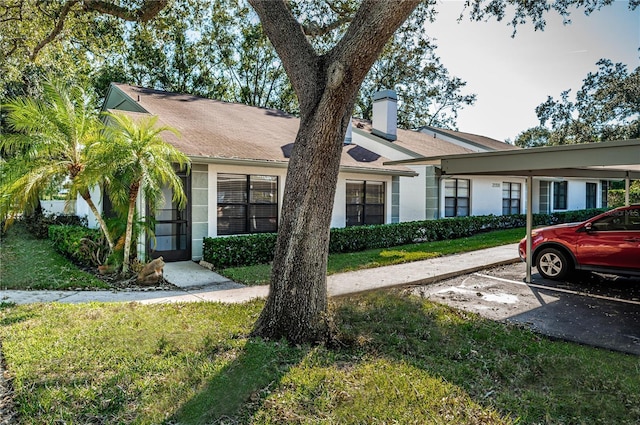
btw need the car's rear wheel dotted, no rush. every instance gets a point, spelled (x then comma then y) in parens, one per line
(553, 264)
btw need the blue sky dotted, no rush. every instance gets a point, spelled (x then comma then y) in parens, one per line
(511, 76)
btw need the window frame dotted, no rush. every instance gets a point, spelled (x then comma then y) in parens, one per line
(510, 198)
(364, 202)
(560, 195)
(591, 195)
(248, 206)
(457, 197)
(604, 193)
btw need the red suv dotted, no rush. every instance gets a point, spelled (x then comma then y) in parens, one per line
(607, 243)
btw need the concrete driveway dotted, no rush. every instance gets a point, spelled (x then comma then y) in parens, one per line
(601, 311)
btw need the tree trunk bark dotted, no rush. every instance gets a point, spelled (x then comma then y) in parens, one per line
(103, 226)
(133, 195)
(297, 305)
(326, 86)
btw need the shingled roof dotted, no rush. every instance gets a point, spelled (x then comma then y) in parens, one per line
(215, 130)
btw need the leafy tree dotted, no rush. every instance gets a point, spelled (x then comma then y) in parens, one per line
(607, 107)
(54, 139)
(140, 162)
(326, 84)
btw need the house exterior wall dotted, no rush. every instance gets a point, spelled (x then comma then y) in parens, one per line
(57, 207)
(412, 196)
(82, 208)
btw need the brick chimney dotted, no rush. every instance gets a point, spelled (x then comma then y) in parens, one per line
(385, 114)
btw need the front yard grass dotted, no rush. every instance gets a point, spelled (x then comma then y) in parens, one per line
(397, 359)
(30, 263)
(338, 263)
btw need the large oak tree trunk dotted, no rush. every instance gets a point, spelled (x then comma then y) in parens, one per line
(326, 86)
(297, 305)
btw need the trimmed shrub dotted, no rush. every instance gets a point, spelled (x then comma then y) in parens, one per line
(38, 223)
(79, 243)
(242, 250)
(246, 250)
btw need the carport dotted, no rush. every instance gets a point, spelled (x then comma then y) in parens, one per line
(612, 160)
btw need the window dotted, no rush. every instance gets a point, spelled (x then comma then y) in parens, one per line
(592, 193)
(456, 197)
(559, 195)
(619, 221)
(511, 198)
(544, 197)
(604, 192)
(365, 203)
(247, 204)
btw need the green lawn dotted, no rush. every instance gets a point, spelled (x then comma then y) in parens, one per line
(397, 359)
(30, 263)
(259, 274)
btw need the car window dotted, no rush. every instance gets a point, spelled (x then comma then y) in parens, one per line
(618, 220)
(634, 219)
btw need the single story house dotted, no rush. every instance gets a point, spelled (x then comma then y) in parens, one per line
(240, 153)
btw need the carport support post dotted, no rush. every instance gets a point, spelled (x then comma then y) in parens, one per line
(529, 225)
(627, 185)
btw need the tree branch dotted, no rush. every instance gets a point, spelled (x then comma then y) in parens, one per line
(56, 30)
(374, 23)
(288, 38)
(147, 11)
(313, 30)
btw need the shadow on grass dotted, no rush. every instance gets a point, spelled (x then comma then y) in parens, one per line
(241, 385)
(510, 369)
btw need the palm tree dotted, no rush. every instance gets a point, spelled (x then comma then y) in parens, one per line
(144, 163)
(52, 140)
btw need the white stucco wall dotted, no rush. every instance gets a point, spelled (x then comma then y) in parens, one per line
(413, 196)
(56, 206)
(83, 210)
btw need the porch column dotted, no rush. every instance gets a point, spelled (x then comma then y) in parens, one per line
(529, 226)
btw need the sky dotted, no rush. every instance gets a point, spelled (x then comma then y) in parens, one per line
(511, 76)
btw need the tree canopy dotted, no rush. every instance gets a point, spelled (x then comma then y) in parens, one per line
(607, 107)
(326, 80)
(216, 50)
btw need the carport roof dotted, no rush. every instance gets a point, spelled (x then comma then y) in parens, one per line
(617, 159)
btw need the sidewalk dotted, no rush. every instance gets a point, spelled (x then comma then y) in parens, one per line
(199, 284)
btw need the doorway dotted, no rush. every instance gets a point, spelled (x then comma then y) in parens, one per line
(172, 227)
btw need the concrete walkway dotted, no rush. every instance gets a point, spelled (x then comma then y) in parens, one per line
(196, 283)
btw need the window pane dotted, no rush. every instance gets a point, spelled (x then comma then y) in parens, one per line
(355, 215)
(264, 189)
(355, 193)
(505, 206)
(232, 219)
(232, 188)
(375, 193)
(374, 214)
(449, 187)
(263, 218)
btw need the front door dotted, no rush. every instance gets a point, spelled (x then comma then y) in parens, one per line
(172, 240)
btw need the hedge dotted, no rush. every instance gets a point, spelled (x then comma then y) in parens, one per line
(79, 243)
(246, 250)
